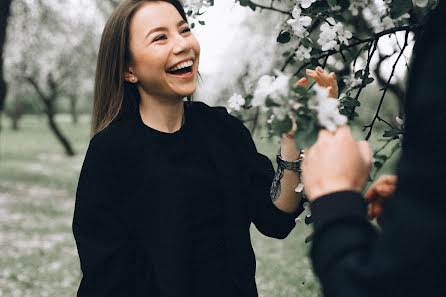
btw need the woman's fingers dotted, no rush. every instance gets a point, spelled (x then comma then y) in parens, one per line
(324, 79)
(302, 82)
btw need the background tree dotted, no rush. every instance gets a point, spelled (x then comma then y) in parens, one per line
(54, 54)
(4, 14)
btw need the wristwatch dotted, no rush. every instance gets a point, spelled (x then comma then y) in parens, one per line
(290, 165)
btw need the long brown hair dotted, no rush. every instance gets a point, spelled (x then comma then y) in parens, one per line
(113, 57)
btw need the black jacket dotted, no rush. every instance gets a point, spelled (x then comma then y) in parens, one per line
(116, 241)
(408, 257)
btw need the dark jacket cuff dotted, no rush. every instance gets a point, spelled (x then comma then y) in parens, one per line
(337, 205)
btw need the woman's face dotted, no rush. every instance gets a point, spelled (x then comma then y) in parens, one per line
(160, 43)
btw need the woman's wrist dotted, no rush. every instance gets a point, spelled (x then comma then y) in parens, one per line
(288, 150)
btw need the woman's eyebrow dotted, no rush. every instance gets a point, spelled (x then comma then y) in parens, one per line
(180, 23)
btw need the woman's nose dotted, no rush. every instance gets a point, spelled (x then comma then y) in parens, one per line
(181, 44)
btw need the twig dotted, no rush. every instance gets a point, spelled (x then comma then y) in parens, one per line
(271, 8)
(370, 126)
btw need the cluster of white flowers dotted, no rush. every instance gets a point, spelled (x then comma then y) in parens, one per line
(352, 81)
(236, 102)
(331, 33)
(274, 88)
(306, 3)
(420, 3)
(303, 53)
(327, 109)
(299, 23)
(355, 6)
(195, 5)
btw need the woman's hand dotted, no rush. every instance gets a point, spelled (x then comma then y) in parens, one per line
(326, 80)
(378, 193)
(323, 79)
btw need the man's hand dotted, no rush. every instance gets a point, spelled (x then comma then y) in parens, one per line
(336, 162)
(378, 193)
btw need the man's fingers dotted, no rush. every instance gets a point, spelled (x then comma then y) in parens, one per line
(366, 153)
(302, 82)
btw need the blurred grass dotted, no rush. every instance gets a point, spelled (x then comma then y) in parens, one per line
(37, 190)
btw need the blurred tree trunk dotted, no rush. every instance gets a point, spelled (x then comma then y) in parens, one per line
(17, 113)
(73, 108)
(49, 102)
(4, 13)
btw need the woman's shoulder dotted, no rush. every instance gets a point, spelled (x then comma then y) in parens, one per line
(219, 114)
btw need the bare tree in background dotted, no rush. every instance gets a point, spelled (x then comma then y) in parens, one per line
(4, 13)
(53, 54)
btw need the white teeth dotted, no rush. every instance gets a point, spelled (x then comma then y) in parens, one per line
(182, 65)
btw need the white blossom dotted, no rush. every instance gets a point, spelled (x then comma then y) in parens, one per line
(195, 5)
(263, 90)
(355, 6)
(331, 32)
(299, 23)
(353, 81)
(327, 109)
(421, 3)
(274, 88)
(236, 101)
(306, 206)
(399, 121)
(303, 53)
(327, 37)
(307, 3)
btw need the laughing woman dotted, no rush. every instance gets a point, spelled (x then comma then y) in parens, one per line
(169, 188)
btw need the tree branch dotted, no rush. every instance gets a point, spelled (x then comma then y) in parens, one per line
(374, 37)
(271, 8)
(370, 126)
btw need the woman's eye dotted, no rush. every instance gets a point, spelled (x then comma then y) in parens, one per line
(185, 30)
(161, 37)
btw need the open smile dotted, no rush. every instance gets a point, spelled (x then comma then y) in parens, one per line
(182, 70)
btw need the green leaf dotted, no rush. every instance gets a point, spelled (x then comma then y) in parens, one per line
(192, 25)
(369, 80)
(331, 2)
(381, 157)
(400, 7)
(378, 165)
(271, 103)
(244, 2)
(306, 42)
(350, 102)
(309, 238)
(358, 74)
(395, 148)
(202, 22)
(284, 37)
(308, 220)
(392, 133)
(307, 133)
(252, 6)
(281, 126)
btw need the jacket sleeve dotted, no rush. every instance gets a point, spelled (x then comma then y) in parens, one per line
(100, 236)
(269, 220)
(407, 257)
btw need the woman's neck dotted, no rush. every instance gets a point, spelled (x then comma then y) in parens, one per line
(165, 115)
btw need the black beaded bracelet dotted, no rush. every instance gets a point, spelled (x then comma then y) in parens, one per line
(290, 165)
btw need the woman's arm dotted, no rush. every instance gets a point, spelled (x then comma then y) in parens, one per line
(101, 237)
(284, 195)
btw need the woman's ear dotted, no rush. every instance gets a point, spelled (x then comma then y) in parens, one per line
(130, 76)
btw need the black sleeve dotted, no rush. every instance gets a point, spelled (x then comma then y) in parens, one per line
(269, 220)
(407, 257)
(100, 235)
